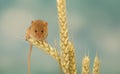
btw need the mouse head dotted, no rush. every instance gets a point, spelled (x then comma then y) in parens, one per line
(39, 30)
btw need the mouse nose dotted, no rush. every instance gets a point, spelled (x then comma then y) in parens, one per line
(38, 36)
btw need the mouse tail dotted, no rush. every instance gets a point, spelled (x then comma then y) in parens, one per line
(29, 57)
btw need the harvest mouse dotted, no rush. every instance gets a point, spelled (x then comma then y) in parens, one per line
(38, 31)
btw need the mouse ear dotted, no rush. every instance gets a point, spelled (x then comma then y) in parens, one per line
(29, 27)
(32, 21)
(45, 23)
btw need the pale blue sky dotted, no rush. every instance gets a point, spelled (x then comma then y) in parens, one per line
(94, 25)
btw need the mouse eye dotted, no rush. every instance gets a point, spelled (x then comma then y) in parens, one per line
(41, 31)
(35, 30)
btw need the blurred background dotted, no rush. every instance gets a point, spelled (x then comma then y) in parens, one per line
(94, 26)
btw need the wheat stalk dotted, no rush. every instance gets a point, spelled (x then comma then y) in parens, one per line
(96, 65)
(85, 65)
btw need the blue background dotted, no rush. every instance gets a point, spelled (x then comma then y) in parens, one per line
(94, 26)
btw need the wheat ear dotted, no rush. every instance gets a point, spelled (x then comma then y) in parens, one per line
(63, 35)
(67, 52)
(62, 23)
(96, 65)
(46, 48)
(72, 65)
(85, 65)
